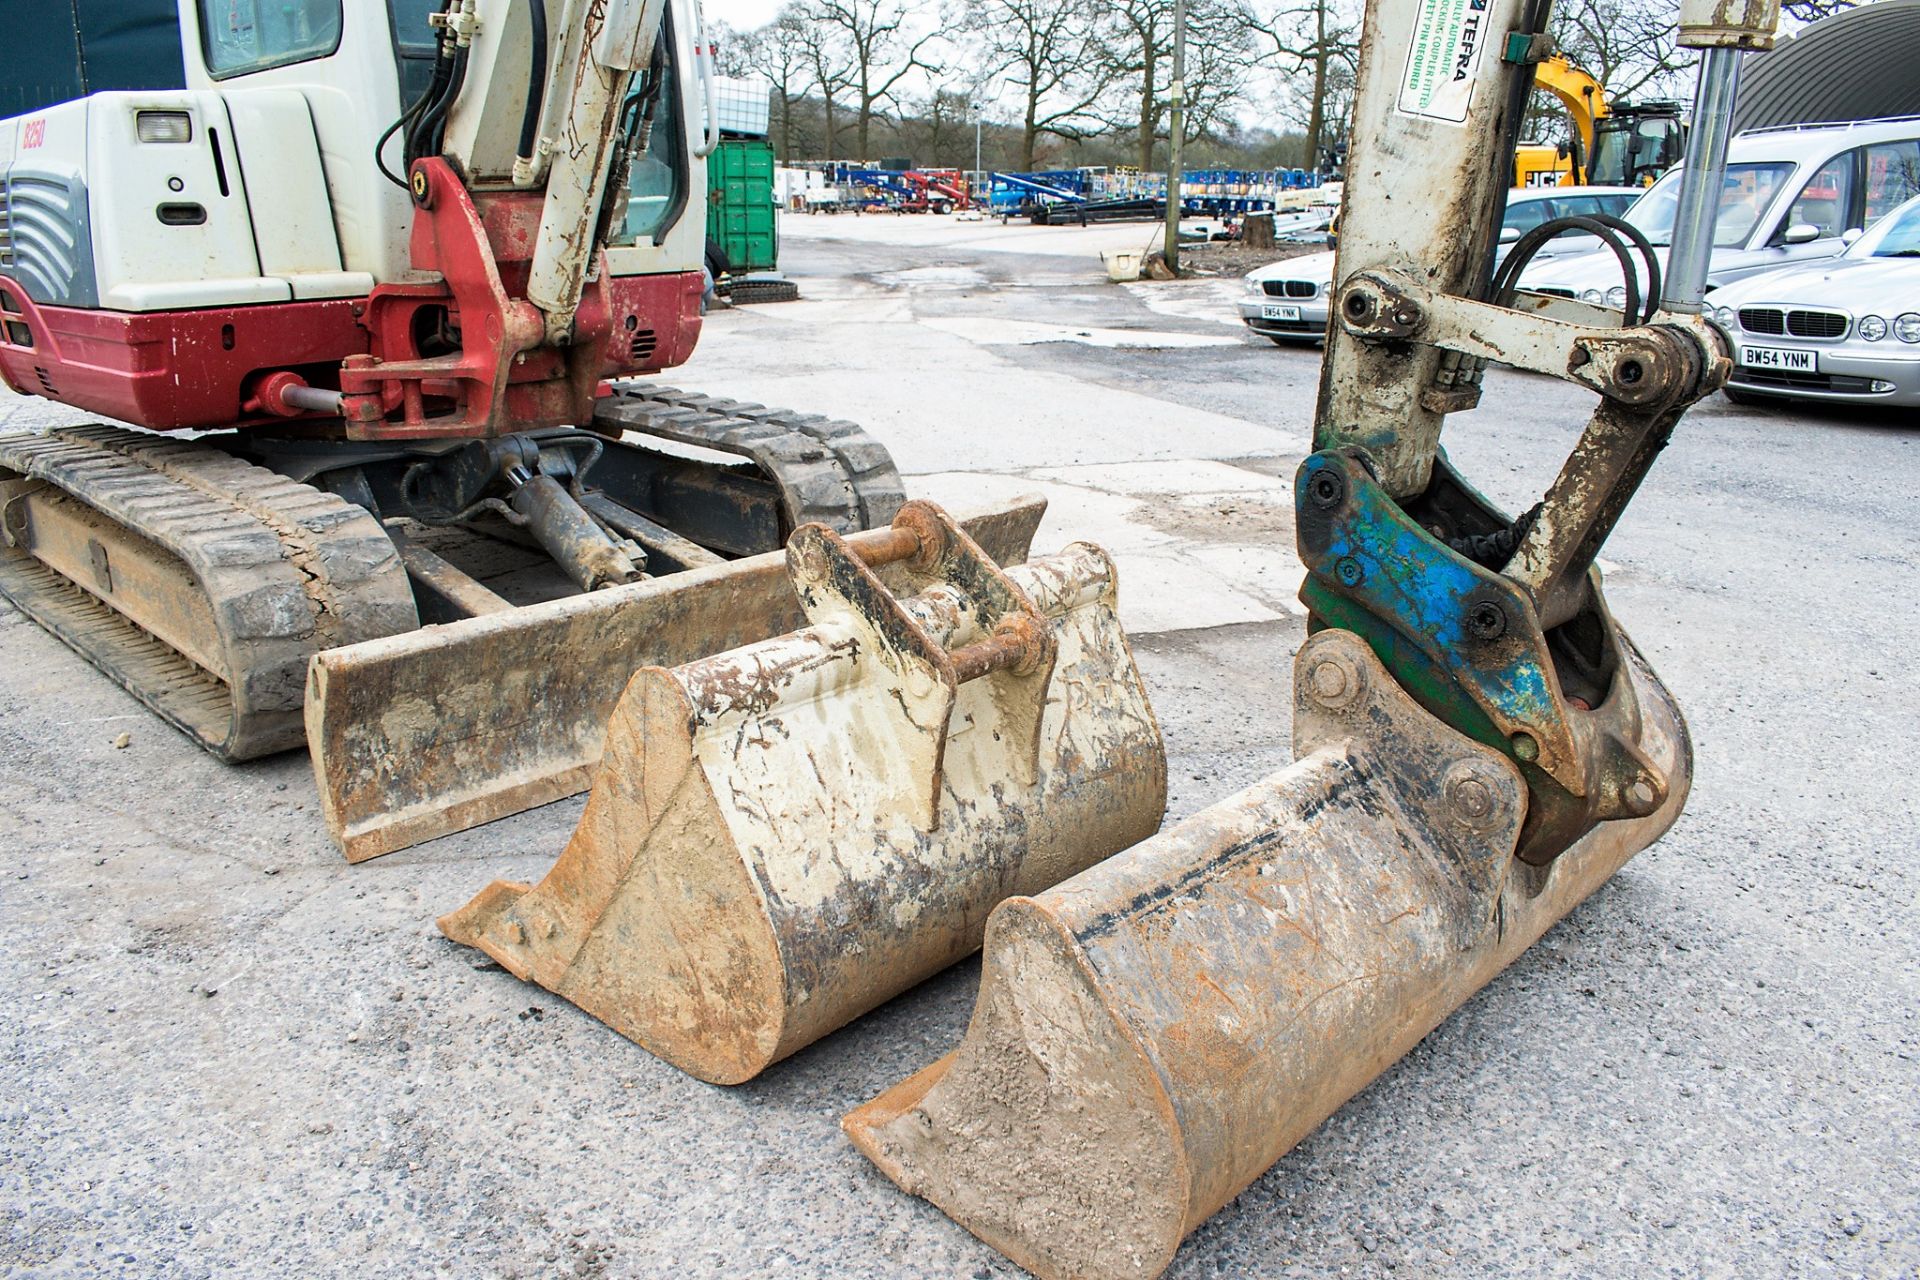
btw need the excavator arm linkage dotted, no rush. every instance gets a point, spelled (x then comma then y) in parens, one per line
(1479, 746)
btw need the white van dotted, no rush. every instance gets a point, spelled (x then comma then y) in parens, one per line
(1792, 193)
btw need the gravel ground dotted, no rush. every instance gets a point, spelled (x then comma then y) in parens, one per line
(227, 1053)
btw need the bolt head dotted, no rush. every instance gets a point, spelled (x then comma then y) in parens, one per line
(1486, 620)
(1470, 797)
(1349, 572)
(1525, 747)
(1327, 489)
(1329, 681)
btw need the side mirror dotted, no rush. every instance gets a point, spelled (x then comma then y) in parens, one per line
(1509, 235)
(1800, 233)
(1850, 235)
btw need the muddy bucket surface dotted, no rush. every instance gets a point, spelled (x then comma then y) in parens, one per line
(437, 730)
(1154, 1033)
(784, 836)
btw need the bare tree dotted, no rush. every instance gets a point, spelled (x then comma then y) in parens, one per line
(830, 68)
(1136, 52)
(882, 51)
(1627, 45)
(1322, 39)
(1814, 10)
(939, 131)
(777, 53)
(1045, 49)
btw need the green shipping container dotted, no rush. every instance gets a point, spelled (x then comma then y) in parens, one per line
(740, 208)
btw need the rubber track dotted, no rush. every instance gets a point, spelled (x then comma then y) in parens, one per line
(746, 293)
(287, 570)
(828, 471)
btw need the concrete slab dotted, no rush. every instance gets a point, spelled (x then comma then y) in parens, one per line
(992, 332)
(938, 399)
(1211, 301)
(1179, 476)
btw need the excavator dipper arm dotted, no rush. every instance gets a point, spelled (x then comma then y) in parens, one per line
(1478, 744)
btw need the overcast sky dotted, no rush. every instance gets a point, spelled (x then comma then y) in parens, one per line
(741, 15)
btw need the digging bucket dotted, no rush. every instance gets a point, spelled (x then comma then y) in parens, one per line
(786, 835)
(1154, 1033)
(433, 731)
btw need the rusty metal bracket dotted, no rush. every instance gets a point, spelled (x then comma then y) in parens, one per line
(16, 513)
(1469, 643)
(1653, 366)
(839, 590)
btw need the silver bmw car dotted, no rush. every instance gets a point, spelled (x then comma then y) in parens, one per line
(1841, 329)
(1287, 301)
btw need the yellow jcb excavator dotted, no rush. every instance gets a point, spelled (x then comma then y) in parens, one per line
(1613, 144)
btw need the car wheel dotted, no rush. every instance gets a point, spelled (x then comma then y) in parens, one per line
(1748, 399)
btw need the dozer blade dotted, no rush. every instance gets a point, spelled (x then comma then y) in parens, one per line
(433, 731)
(782, 837)
(1154, 1033)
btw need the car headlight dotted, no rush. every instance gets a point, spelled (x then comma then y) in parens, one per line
(1872, 328)
(1723, 316)
(1907, 327)
(1617, 297)
(1253, 286)
(1593, 296)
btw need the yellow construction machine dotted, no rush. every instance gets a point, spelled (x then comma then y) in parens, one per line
(1613, 144)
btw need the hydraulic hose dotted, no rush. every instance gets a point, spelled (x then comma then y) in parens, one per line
(537, 81)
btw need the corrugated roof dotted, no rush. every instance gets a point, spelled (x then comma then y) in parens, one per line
(1857, 65)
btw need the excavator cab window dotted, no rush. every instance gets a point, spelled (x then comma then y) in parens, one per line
(656, 185)
(245, 36)
(1630, 152)
(414, 44)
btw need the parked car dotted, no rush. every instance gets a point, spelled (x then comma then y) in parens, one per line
(1792, 194)
(1287, 301)
(1842, 329)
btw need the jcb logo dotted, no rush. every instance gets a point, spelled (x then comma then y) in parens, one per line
(33, 134)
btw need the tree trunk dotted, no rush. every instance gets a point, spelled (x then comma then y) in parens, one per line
(1149, 112)
(1029, 134)
(831, 131)
(1316, 120)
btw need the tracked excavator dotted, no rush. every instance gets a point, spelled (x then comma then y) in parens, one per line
(949, 746)
(371, 288)
(784, 835)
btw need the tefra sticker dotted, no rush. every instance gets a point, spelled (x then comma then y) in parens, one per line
(1444, 59)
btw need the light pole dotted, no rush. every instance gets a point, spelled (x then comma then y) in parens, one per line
(1176, 125)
